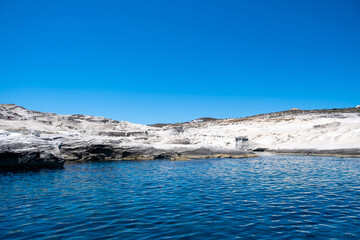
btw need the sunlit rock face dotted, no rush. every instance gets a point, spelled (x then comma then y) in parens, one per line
(82, 138)
(242, 143)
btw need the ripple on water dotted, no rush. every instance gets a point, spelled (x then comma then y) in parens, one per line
(266, 197)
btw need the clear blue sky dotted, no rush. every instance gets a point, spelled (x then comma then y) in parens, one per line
(173, 61)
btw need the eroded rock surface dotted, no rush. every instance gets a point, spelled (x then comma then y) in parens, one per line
(17, 153)
(31, 134)
(29, 160)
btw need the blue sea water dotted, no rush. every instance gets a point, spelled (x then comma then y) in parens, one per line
(269, 197)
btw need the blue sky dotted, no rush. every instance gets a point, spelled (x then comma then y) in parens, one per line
(174, 61)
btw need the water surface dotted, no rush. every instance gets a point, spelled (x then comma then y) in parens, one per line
(261, 198)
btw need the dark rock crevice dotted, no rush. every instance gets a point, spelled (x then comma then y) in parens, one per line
(29, 160)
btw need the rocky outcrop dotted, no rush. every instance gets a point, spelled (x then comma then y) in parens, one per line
(29, 152)
(84, 151)
(29, 159)
(345, 152)
(26, 134)
(205, 152)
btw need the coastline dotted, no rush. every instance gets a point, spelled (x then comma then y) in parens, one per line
(32, 139)
(350, 152)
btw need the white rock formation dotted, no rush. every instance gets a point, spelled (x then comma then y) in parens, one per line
(293, 129)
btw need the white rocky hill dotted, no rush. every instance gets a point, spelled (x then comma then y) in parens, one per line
(293, 129)
(81, 137)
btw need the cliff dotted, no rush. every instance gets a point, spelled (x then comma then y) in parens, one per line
(84, 138)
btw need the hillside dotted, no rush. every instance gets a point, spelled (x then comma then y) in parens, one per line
(82, 137)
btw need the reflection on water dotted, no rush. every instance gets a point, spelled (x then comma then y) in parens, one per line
(266, 197)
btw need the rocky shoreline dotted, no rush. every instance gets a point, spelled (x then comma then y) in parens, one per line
(33, 153)
(32, 139)
(347, 152)
(29, 160)
(27, 155)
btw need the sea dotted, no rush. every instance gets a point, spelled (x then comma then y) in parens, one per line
(267, 197)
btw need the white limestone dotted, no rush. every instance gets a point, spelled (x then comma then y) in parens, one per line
(281, 131)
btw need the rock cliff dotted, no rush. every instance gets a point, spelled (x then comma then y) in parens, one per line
(80, 137)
